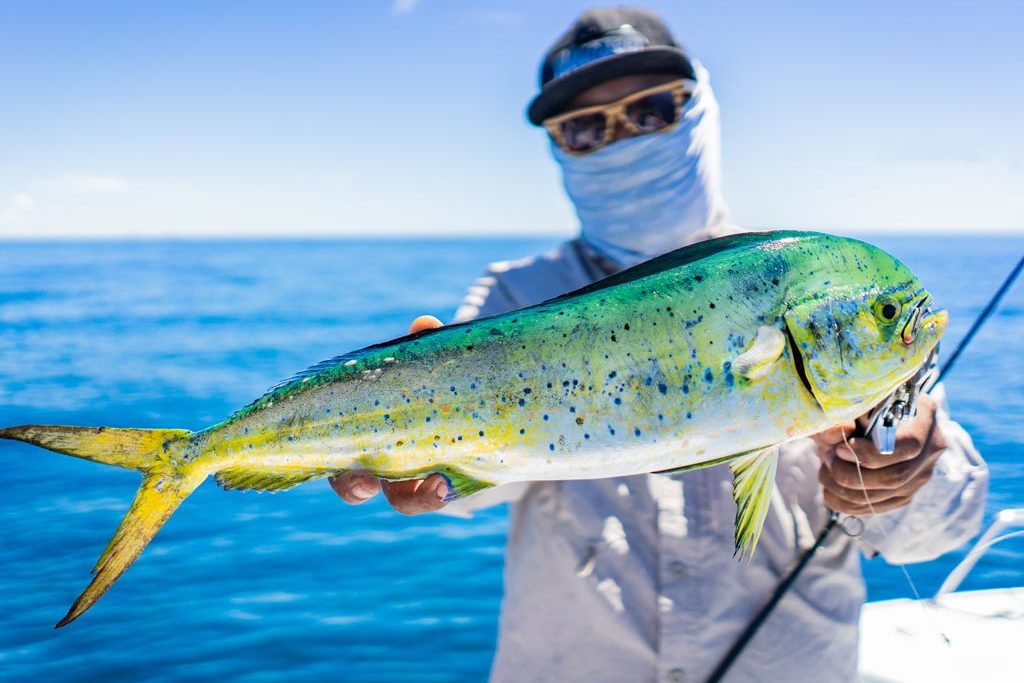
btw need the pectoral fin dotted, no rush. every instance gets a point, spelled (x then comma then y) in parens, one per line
(761, 356)
(752, 485)
(708, 463)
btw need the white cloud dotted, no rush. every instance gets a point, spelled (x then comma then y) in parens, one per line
(16, 208)
(399, 7)
(97, 184)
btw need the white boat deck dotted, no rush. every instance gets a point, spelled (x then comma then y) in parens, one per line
(970, 636)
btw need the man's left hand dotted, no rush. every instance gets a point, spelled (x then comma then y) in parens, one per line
(882, 482)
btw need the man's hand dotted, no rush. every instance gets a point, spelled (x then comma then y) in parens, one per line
(889, 481)
(411, 497)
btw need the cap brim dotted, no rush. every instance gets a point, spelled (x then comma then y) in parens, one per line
(558, 92)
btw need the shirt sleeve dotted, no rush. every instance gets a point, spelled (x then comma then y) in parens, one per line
(945, 513)
(485, 297)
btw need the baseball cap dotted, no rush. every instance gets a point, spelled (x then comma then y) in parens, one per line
(605, 43)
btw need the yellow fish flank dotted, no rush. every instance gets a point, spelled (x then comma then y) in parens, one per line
(714, 353)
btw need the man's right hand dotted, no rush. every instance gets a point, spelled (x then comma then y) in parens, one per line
(411, 497)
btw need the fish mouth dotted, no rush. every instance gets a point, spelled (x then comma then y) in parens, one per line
(927, 317)
(937, 318)
(798, 363)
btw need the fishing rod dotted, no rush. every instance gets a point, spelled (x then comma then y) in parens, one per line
(898, 407)
(989, 309)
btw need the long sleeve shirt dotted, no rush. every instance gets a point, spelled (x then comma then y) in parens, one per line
(634, 579)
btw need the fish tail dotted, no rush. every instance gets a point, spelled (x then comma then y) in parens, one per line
(167, 480)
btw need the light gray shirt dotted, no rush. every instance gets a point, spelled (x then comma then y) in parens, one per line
(633, 579)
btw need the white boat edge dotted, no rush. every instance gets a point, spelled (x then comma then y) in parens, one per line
(954, 636)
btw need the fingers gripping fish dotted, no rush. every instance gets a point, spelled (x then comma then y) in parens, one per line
(718, 352)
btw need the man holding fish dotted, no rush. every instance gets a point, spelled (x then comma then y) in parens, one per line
(634, 578)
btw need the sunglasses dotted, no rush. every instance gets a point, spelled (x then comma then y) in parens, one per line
(652, 110)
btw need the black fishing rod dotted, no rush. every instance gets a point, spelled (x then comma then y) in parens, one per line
(989, 309)
(789, 579)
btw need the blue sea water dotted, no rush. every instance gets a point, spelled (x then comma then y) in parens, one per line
(253, 587)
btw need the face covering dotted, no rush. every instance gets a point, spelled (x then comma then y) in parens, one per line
(640, 197)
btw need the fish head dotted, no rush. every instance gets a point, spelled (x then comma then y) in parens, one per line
(857, 333)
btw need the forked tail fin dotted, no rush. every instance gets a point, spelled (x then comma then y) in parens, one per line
(167, 480)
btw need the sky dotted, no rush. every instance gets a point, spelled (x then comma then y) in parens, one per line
(406, 117)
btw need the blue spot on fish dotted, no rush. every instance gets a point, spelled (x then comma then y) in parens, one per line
(662, 388)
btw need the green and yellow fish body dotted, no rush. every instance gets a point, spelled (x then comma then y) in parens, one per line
(716, 352)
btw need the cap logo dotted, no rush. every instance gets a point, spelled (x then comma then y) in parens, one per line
(615, 41)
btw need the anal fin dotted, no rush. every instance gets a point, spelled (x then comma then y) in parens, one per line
(268, 479)
(461, 486)
(752, 485)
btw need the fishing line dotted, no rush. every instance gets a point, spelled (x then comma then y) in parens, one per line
(871, 508)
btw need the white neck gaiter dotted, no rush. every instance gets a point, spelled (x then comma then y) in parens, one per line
(641, 197)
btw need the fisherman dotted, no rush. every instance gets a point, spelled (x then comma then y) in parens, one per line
(634, 579)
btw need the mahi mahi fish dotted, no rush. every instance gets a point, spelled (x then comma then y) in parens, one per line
(717, 352)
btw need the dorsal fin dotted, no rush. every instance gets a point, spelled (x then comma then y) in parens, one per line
(684, 256)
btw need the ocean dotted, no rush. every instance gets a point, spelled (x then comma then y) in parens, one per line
(297, 585)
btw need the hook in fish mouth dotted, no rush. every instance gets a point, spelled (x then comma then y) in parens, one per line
(924, 313)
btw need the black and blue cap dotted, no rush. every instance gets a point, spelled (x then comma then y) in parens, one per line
(605, 43)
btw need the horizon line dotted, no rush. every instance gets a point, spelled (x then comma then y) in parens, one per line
(552, 234)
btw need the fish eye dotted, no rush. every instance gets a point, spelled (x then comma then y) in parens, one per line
(888, 310)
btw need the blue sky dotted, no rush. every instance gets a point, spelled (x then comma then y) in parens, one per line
(406, 117)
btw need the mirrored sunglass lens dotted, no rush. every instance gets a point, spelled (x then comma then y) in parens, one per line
(653, 112)
(583, 133)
